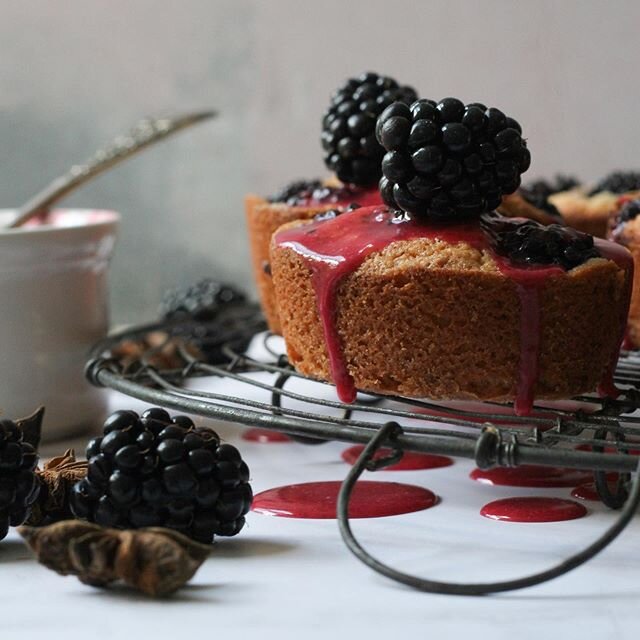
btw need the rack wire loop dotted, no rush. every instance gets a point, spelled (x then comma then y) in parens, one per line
(466, 589)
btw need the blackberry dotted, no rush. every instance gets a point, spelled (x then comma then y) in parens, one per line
(153, 470)
(538, 192)
(541, 201)
(296, 191)
(448, 161)
(618, 182)
(201, 301)
(19, 486)
(348, 127)
(531, 243)
(629, 211)
(300, 192)
(545, 188)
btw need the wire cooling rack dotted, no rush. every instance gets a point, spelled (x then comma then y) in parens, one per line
(163, 364)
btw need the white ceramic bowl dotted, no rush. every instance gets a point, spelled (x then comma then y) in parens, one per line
(53, 308)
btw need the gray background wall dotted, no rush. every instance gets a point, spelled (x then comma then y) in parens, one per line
(73, 73)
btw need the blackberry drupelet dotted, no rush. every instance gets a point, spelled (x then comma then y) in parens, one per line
(201, 301)
(155, 470)
(348, 126)
(618, 182)
(531, 243)
(448, 161)
(19, 486)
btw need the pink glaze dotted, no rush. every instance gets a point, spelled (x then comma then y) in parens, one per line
(533, 509)
(264, 436)
(588, 490)
(70, 218)
(410, 461)
(320, 499)
(531, 476)
(336, 248)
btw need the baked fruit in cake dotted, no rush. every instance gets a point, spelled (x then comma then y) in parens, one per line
(591, 210)
(625, 230)
(301, 200)
(491, 308)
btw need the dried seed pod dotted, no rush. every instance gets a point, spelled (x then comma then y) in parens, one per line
(155, 561)
(52, 544)
(31, 427)
(56, 478)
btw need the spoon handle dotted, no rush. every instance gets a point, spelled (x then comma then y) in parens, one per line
(144, 134)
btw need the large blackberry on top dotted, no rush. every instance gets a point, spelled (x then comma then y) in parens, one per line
(447, 161)
(348, 127)
(160, 471)
(19, 485)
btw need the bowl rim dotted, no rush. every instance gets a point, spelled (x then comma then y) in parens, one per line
(104, 218)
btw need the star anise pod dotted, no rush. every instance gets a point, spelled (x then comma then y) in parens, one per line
(155, 561)
(56, 478)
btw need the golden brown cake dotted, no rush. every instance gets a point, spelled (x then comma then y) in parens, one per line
(625, 230)
(296, 202)
(587, 213)
(401, 307)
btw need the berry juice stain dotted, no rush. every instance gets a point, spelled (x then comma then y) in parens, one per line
(588, 491)
(264, 436)
(531, 476)
(335, 249)
(319, 500)
(410, 461)
(533, 509)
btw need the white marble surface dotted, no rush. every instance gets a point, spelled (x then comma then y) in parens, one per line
(287, 578)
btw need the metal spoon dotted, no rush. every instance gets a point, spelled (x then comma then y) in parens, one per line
(144, 134)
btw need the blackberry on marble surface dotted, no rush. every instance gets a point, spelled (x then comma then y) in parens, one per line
(348, 127)
(447, 160)
(531, 243)
(19, 486)
(201, 301)
(154, 470)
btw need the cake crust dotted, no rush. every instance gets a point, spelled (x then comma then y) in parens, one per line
(589, 214)
(628, 235)
(425, 318)
(263, 219)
